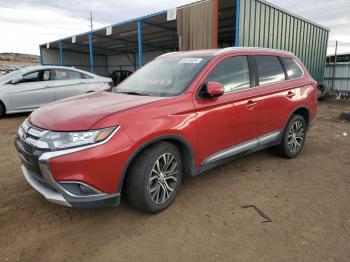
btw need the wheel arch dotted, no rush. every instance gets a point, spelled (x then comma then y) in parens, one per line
(305, 113)
(302, 111)
(183, 145)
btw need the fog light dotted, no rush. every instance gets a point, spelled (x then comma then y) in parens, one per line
(79, 189)
(85, 190)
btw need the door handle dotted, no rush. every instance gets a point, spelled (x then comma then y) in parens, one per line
(290, 94)
(250, 104)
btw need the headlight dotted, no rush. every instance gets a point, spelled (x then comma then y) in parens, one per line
(64, 140)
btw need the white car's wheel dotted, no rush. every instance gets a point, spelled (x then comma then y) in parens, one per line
(2, 109)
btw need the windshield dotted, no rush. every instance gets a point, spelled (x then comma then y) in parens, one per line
(9, 76)
(163, 77)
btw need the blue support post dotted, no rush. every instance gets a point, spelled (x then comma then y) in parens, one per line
(238, 7)
(139, 36)
(92, 63)
(41, 55)
(61, 54)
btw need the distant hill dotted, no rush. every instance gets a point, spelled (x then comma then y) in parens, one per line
(13, 61)
(16, 58)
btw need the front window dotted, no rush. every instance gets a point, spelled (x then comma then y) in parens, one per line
(233, 73)
(163, 77)
(31, 77)
(42, 75)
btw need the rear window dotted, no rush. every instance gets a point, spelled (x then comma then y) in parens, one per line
(269, 70)
(63, 74)
(292, 69)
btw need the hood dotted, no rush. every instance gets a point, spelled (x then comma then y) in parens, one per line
(82, 112)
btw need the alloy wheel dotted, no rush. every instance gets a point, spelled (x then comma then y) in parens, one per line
(163, 178)
(296, 136)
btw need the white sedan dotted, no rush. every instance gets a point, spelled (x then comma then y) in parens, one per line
(29, 88)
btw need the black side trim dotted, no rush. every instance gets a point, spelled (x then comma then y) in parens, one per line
(177, 138)
(253, 71)
(220, 162)
(284, 68)
(112, 200)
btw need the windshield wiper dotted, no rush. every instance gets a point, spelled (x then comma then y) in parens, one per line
(134, 93)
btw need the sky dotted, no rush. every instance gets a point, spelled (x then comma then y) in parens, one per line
(24, 24)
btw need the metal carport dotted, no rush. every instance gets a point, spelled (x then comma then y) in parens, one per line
(204, 24)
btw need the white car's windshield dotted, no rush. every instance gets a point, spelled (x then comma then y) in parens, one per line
(9, 76)
(163, 77)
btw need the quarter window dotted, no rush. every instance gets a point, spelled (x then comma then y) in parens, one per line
(74, 75)
(233, 73)
(84, 76)
(292, 69)
(269, 70)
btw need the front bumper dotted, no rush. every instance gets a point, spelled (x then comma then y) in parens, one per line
(79, 177)
(54, 196)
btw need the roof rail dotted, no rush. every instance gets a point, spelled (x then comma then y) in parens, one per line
(167, 54)
(227, 49)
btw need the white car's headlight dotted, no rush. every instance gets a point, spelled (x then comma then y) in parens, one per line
(64, 140)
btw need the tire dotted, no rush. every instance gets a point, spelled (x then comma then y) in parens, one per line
(345, 116)
(149, 187)
(2, 109)
(324, 92)
(294, 136)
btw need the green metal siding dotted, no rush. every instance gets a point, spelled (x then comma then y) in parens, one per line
(262, 24)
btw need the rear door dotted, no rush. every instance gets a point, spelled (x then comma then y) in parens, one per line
(275, 95)
(68, 83)
(230, 120)
(35, 90)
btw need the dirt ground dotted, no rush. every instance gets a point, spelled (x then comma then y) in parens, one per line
(307, 199)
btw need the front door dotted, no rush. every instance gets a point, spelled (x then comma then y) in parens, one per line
(33, 91)
(227, 124)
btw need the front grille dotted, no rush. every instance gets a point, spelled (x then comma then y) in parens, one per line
(28, 153)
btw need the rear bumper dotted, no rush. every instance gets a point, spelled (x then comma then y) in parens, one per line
(45, 189)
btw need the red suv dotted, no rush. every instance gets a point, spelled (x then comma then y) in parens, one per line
(179, 115)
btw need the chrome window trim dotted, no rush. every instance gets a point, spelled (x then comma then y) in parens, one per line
(283, 81)
(258, 86)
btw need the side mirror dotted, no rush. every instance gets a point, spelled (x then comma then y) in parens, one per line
(215, 89)
(17, 79)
